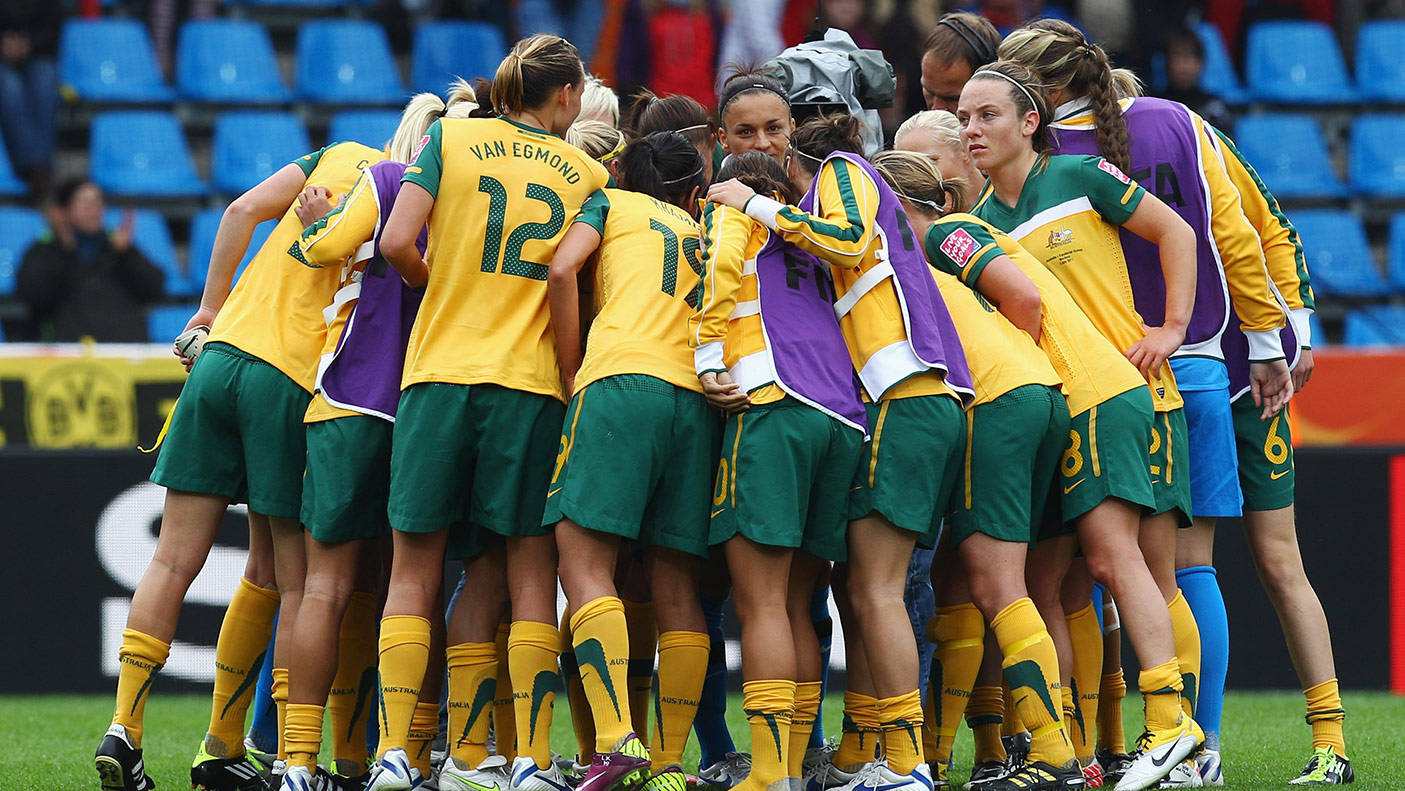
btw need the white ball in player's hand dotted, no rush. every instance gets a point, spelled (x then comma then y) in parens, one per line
(190, 343)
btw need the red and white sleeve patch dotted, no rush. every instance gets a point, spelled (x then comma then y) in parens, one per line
(959, 247)
(424, 141)
(1113, 170)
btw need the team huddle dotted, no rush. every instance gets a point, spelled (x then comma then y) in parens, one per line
(561, 346)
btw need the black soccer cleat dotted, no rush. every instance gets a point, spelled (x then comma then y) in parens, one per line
(119, 764)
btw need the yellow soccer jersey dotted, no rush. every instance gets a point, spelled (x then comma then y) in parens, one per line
(1068, 216)
(503, 194)
(344, 238)
(844, 234)
(1001, 356)
(275, 310)
(1283, 250)
(1091, 368)
(646, 288)
(727, 324)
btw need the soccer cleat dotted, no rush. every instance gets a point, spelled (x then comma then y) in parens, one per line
(347, 782)
(669, 778)
(1039, 776)
(225, 774)
(300, 778)
(1183, 775)
(626, 766)
(262, 758)
(1093, 775)
(878, 776)
(119, 764)
(1016, 749)
(394, 773)
(816, 757)
(525, 776)
(1208, 765)
(1114, 765)
(985, 771)
(1325, 768)
(491, 775)
(940, 772)
(731, 770)
(1158, 754)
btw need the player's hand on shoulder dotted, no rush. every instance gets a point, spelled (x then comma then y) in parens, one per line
(313, 204)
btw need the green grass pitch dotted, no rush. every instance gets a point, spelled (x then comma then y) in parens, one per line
(50, 739)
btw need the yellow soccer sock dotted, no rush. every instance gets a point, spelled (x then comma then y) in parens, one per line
(1326, 716)
(601, 638)
(582, 723)
(958, 636)
(901, 718)
(1111, 734)
(248, 623)
(353, 693)
(531, 658)
(504, 712)
(1067, 709)
(424, 726)
(682, 669)
(859, 743)
(1187, 636)
(768, 705)
(138, 660)
(303, 734)
(1087, 638)
(802, 723)
(404, 655)
(1013, 724)
(473, 672)
(279, 693)
(985, 714)
(1032, 670)
(643, 644)
(1161, 695)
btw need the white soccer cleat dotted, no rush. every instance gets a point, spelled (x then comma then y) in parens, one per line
(394, 773)
(491, 775)
(525, 776)
(1207, 763)
(1184, 775)
(1158, 754)
(730, 771)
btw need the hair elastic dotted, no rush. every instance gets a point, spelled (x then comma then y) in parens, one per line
(752, 87)
(694, 127)
(615, 151)
(960, 27)
(692, 175)
(933, 204)
(810, 157)
(1002, 75)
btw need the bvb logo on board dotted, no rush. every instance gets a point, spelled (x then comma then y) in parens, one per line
(82, 405)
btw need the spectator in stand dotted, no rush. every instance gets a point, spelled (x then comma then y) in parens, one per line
(80, 280)
(29, 92)
(1185, 60)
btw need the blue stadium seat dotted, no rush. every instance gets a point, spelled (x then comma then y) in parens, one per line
(1338, 255)
(1297, 62)
(228, 61)
(445, 50)
(368, 127)
(142, 154)
(538, 16)
(1380, 60)
(153, 238)
(202, 240)
(1319, 335)
(1377, 162)
(18, 230)
(10, 184)
(111, 60)
(165, 322)
(1378, 325)
(1290, 153)
(1395, 253)
(1219, 77)
(250, 145)
(347, 62)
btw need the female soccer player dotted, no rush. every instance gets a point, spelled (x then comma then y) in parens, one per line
(754, 112)
(677, 113)
(235, 436)
(769, 351)
(1165, 143)
(1016, 432)
(637, 447)
(346, 486)
(908, 358)
(1066, 210)
(482, 397)
(936, 134)
(600, 140)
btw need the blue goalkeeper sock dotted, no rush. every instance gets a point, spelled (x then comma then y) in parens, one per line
(1098, 591)
(710, 724)
(824, 629)
(264, 730)
(1202, 591)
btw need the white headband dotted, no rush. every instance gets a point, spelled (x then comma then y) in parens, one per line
(1002, 75)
